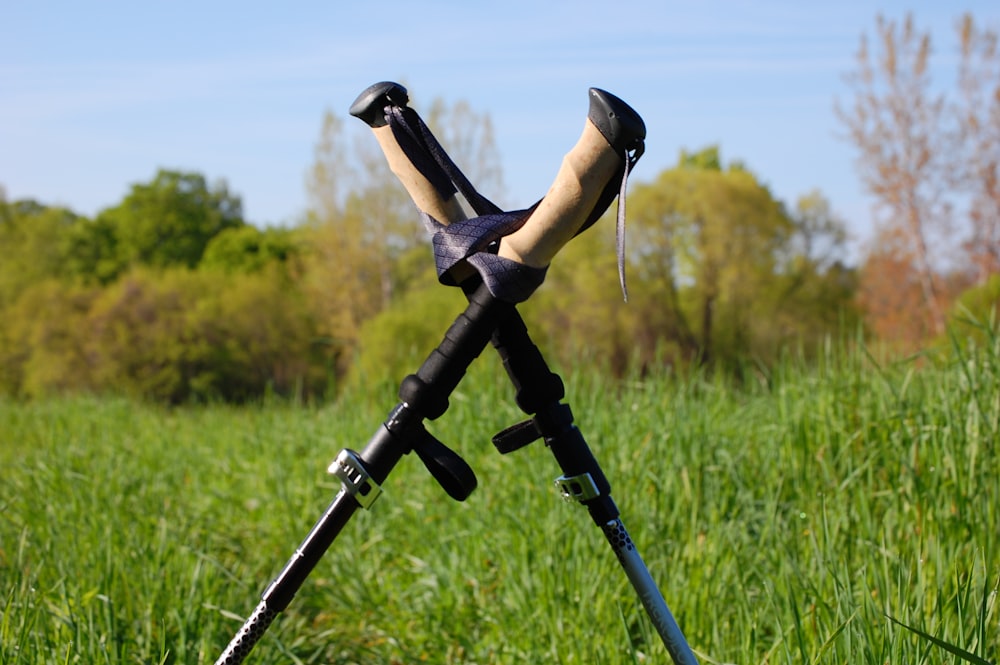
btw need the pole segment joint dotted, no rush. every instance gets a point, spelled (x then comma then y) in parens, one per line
(355, 479)
(579, 488)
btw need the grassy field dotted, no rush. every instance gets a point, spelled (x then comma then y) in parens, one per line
(846, 512)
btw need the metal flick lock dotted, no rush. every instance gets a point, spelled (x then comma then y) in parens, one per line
(354, 478)
(578, 488)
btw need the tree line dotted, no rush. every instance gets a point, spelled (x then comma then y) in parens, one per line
(172, 295)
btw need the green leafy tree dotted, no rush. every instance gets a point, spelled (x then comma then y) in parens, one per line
(33, 245)
(975, 315)
(579, 312)
(179, 334)
(245, 249)
(92, 251)
(44, 342)
(728, 272)
(395, 341)
(166, 222)
(814, 289)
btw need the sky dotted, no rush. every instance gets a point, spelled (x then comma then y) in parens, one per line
(95, 97)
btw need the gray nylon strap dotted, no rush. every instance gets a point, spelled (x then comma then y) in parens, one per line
(475, 240)
(620, 229)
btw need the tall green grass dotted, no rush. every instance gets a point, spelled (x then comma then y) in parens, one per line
(844, 511)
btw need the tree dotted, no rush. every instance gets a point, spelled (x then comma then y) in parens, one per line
(358, 222)
(733, 273)
(817, 287)
(978, 165)
(247, 249)
(166, 222)
(579, 313)
(33, 245)
(931, 157)
(710, 237)
(897, 126)
(43, 344)
(177, 334)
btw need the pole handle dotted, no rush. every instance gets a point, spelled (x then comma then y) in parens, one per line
(582, 190)
(585, 171)
(425, 196)
(373, 107)
(612, 141)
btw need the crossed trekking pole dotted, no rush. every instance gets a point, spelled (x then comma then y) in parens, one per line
(498, 259)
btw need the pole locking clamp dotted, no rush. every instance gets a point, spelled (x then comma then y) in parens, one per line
(354, 478)
(579, 488)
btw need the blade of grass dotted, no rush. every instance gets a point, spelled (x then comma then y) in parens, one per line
(947, 646)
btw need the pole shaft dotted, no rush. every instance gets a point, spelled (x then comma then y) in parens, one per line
(539, 392)
(649, 593)
(248, 636)
(424, 394)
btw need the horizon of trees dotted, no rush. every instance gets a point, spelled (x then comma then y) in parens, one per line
(172, 295)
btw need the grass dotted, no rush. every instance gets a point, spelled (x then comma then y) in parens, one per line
(841, 512)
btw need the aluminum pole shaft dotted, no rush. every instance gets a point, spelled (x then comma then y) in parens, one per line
(649, 594)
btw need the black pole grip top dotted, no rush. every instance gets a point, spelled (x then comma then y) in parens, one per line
(371, 103)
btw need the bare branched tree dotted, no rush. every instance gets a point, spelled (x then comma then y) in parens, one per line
(897, 124)
(978, 114)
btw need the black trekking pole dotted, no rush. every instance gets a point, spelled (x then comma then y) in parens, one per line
(422, 395)
(433, 182)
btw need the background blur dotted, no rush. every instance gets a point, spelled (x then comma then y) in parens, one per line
(188, 211)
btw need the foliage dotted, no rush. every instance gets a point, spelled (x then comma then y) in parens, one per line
(579, 311)
(182, 334)
(168, 221)
(974, 316)
(247, 249)
(172, 336)
(930, 158)
(790, 519)
(45, 335)
(718, 271)
(34, 241)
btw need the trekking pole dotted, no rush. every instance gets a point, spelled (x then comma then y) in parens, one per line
(433, 182)
(422, 395)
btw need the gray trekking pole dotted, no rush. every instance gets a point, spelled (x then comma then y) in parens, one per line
(584, 187)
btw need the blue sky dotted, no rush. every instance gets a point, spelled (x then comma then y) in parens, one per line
(97, 96)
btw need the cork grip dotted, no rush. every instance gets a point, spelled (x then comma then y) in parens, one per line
(579, 193)
(371, 108)
(423, 193)
(582, 176)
